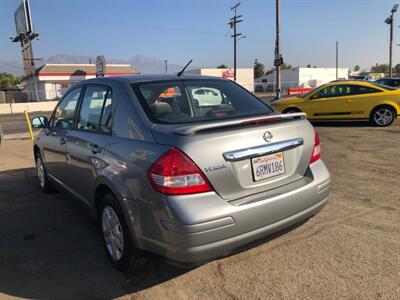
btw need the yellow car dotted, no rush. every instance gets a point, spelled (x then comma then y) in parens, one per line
(346, 100)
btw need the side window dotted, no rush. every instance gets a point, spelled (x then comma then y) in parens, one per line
(91, 108)
(386, 82)
(199, 92)
(358, 90)
(334, 91)
(106, 118)
(64, 114)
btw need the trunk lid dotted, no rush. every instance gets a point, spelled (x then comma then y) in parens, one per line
(225, 152)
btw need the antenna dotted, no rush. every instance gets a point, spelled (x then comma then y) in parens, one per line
(184, 68)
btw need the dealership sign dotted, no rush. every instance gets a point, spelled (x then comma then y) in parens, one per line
(22, 18)
(100, 66)
(228, 74)
(298, 91)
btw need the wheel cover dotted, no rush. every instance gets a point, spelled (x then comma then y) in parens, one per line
(383, 116)
(112, 233)
(40, 172)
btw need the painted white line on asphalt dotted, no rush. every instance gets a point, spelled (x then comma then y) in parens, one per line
(16, 136)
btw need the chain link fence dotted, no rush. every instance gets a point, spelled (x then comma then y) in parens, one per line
(270, 87)
(18, 96)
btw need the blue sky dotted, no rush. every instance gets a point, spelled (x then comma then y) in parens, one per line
(180, 30)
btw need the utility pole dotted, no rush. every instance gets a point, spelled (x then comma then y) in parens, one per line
(337, 60)
(390, 21)
(278, 61)
(232, 24)
(166, 66)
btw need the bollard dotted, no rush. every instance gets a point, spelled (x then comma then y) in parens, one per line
(29, 125)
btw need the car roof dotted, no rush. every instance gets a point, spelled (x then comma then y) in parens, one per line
(355, 82)
(152, 77)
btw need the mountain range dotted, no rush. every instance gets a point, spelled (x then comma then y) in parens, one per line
(143, 63)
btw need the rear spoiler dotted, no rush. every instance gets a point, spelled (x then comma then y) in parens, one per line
(193, 129)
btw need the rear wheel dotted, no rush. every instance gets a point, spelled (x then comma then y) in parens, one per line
(44, 183)
(118, 241)
(382, 116)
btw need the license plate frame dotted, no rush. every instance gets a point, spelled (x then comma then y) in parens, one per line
(270, 157)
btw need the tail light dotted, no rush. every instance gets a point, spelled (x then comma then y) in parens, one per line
(316, 153)
(173, 173)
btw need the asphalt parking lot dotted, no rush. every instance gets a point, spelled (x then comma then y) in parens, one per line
(50, 249)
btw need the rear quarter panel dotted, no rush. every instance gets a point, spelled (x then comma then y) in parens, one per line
(369, 103)
(126, 175)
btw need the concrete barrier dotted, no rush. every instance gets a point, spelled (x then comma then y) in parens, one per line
(5, 108)
(14, 108)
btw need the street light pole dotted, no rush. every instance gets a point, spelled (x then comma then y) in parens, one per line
(390, 21)
(391, 47)
(166, 66)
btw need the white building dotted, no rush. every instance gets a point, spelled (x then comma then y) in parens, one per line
(53, 79)
(302, 77)
(244, 76)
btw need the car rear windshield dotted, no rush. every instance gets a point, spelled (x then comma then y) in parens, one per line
(187, 101)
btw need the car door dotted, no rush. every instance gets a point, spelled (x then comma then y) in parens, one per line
(365, 98)
(86, 141)
(54, 141)
(331, 102)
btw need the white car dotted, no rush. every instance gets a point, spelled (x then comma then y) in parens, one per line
(207, 96)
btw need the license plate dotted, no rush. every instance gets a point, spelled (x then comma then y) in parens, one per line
(268, 166)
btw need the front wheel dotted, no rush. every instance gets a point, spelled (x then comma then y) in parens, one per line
(44, 183)
(382, 116)
(117, 239)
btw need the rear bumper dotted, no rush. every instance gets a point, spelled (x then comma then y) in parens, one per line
(205, 226)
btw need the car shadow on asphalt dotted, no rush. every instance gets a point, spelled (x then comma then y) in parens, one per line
(51, 249)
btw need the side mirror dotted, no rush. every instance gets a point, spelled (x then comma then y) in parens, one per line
(39, 122)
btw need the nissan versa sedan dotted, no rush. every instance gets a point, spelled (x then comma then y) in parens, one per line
(167, 173)
(346, 100)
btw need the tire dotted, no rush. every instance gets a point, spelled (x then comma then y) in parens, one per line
(382, 116)
(291, 110)
(118, 242)
(44, 183)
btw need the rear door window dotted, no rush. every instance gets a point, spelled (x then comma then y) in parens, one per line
(187, 101)
(106, 118)
(92, 108)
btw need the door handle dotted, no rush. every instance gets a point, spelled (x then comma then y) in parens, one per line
(96, 149)
(62, 141)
